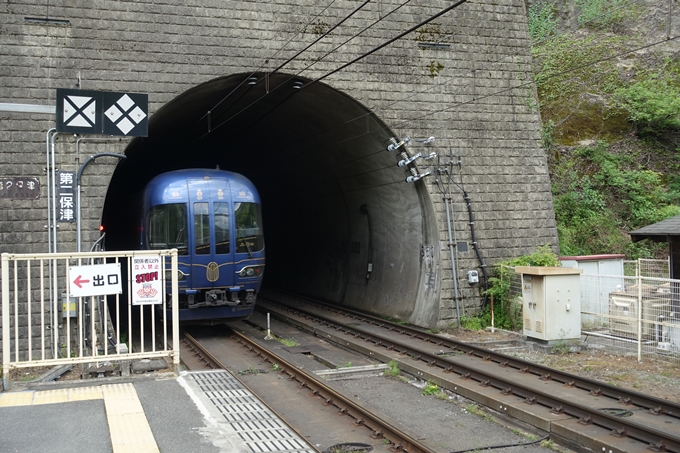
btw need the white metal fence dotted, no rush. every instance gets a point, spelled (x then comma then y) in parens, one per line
(45, 324)
(637, 316)
(647, 268)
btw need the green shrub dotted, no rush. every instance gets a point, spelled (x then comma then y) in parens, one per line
(653, 105)
(471, 323)
(507, 310)
(542, 21)
(602, 14)
(600, 196)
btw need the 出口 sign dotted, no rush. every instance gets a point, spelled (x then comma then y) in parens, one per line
(95, 280)
(147, 280)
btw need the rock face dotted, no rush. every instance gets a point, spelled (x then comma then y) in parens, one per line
(313, 139)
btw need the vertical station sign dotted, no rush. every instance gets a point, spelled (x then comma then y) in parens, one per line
(66, 196)
(102, 112)
(147, 280)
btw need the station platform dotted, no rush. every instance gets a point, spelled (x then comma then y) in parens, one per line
(203, 412)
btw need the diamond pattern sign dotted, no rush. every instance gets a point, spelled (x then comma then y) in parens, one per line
(126, 114)
(102, 112)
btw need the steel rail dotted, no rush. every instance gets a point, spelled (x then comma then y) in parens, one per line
(192, 343)
(401, 442)
(656, 439)
(626, 397)
(194, 347)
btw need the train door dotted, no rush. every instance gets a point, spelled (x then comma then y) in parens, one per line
(213, 252)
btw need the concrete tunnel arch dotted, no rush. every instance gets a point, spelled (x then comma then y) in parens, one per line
(334, 199)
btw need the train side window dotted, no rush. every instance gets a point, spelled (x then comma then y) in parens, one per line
(202, 228)
(221, 228)
(249, 234)
(167, 226)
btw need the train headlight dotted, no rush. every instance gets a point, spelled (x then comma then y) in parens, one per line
(251, 271)
(181, 276)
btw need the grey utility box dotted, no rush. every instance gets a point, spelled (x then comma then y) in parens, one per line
(551, 302)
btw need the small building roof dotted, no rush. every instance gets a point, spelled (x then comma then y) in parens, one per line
(660, 231)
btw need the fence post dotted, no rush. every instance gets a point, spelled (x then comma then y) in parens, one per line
(639, 319)
(5, 321)
(175, 313)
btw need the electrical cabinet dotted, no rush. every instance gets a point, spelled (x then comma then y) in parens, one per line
(551, 302)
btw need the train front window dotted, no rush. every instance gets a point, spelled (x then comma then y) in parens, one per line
(249, 234)
(167, 227)
(202, 228)
(221, 228)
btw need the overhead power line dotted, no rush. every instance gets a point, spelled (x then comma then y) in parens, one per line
(387, 43)
(294, 57)
(269, 59)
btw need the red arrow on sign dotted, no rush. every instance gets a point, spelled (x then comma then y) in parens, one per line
(78, 281)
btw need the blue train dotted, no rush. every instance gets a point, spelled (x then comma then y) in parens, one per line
(214, 219)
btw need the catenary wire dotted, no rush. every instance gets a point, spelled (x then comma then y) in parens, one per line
(268, 59)
(388, 42)
(356, 10)
(345, 42)
(377, 109)
(300, 72)
(475, 99)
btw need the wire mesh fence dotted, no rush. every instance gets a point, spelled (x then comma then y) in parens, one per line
(647, 268)
(637, 316)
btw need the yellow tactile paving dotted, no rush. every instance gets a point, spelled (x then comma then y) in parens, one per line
(129, 429)
(16, 399)
(85, 393)
(51, 397)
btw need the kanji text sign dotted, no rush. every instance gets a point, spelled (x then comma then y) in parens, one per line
(67, 196)
(147, 280)
(20, 188)
(95, 280)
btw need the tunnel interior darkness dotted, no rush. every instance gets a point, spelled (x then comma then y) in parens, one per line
(341, 224)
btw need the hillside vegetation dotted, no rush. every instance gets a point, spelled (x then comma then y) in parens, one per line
(607, 73)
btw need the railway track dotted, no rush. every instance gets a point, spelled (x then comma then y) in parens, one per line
(578, 412)
(379, 429)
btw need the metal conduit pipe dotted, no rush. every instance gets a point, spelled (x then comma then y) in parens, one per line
(474, 245)
(54, 192)
(445, 188)
(49, 226)
(466, 197)
(78, 178)
(453, 258)
(47, 171)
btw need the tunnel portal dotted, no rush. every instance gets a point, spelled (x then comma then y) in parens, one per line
(341, 224)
